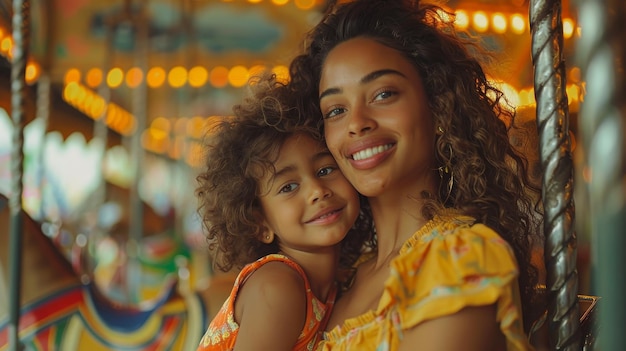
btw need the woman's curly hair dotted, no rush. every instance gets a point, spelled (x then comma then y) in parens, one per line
(489, 176)
(239, 150)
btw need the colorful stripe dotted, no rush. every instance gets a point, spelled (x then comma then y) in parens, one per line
(69, 320)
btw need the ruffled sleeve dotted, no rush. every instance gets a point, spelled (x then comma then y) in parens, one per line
(453, 266)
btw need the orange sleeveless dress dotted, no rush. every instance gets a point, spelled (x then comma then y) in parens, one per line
(223, 329)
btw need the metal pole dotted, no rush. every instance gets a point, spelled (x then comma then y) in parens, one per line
(100, 128)
(139, 108)
(555, 154)
(21, 24)
(43, 114)
(601, 52)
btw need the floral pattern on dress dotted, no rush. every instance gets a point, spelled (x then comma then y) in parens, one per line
(448, 264)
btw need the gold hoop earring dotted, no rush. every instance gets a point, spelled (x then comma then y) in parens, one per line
(450, 186)
(444, 170)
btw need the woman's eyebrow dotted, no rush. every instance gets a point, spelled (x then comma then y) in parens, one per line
(376, 74)
(329, 91)
(368, 78)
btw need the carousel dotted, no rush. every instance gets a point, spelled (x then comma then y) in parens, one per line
(103, 105)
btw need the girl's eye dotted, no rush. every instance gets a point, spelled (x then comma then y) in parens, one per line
(288, 188)
(326, 171)
(334, 112)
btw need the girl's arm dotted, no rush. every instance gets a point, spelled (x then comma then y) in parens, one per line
(271, 309)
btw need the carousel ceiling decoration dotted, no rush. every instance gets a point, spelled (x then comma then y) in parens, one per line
(215, 28)
(203, 47)
(178, 33)
(200, 53)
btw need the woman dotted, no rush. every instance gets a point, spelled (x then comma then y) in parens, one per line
(417, 128)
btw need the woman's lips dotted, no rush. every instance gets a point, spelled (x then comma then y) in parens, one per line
(370, 152)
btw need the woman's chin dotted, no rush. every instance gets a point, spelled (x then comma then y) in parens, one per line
(369, 188)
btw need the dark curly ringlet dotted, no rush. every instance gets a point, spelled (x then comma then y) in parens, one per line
(490, 176)
(239, 150)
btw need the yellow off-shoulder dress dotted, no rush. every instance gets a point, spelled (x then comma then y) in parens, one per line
(449, 264)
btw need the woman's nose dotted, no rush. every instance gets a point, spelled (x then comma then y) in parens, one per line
(361, 121)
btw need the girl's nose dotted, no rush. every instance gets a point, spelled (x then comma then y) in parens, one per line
(320, 191)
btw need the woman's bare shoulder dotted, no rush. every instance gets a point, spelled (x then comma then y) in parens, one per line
(474, 328)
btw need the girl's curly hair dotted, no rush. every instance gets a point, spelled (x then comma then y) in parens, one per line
(490, 181)
(239, 150)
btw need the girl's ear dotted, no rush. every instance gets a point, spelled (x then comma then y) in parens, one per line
(267, 235)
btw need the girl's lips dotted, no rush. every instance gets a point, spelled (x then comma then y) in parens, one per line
(326, 216)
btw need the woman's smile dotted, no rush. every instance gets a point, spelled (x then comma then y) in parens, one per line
(369, 152)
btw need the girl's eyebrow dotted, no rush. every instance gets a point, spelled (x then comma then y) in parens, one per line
(366, 79)
(272, 181)
(289, 168)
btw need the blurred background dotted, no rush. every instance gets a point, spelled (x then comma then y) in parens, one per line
(120, 93)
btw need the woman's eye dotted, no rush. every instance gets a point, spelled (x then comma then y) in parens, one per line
(326, 171)
(384, 95)
(288, 188)
(334, 112)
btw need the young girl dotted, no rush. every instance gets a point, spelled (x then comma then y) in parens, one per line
(272, 197)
